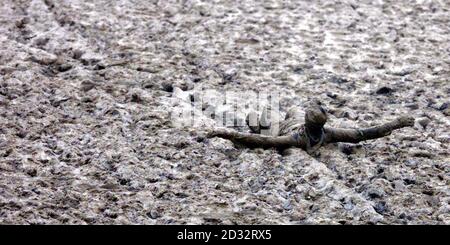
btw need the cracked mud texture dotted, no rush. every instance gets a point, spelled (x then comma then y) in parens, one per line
(86, 90)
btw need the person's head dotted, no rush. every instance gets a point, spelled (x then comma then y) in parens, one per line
(315, 115)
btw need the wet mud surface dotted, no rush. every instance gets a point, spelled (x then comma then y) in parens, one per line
(87, 87)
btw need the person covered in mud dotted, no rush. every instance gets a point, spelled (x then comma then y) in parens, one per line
(304, 130)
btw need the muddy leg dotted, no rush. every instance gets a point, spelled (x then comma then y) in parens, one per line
(252, 121)
(266, 124)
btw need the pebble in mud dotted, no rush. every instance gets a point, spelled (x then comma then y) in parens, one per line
(62, 65)
(380, 207)
(167, 86)
(87, 85)
(423, 121)
(375, 193)
(384, 90)
(22, 22)
(154, 213)
(443, 106)
(22, 133)
(76, 53)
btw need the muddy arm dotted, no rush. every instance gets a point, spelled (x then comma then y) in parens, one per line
(257, 140)
(357, 135)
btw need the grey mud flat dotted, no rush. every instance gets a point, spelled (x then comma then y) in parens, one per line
(86, 89)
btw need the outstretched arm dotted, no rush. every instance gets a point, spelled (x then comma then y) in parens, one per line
(257, 140)
(357, 135)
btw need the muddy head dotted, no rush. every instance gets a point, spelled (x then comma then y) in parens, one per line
(315, 116)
